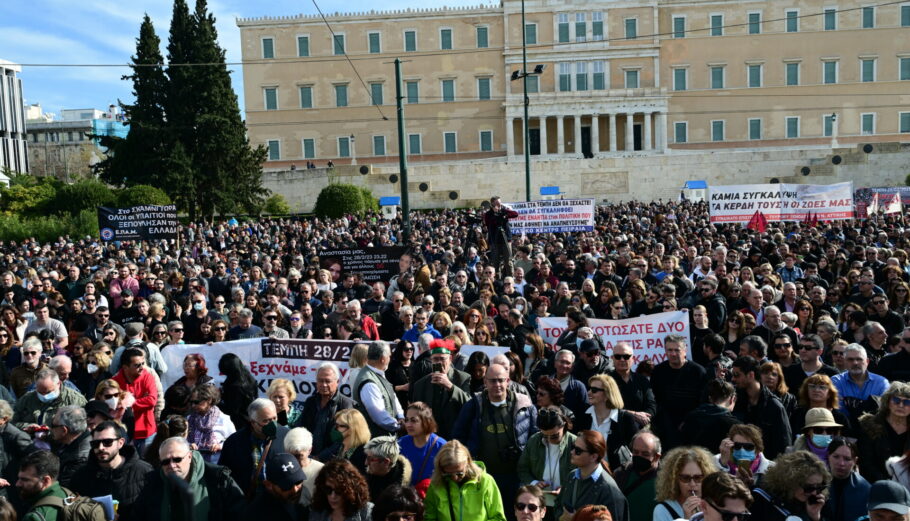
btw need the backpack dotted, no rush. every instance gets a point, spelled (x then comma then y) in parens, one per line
(74, 507)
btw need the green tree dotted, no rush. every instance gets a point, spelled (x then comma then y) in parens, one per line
(276, 205)
(87, 194)
(141, 195)
(338, 199)
(28, 195)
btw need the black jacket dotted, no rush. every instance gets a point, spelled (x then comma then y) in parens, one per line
(321, 422)
(717, 311)
(707, 426)
(637, 394)
(14, 447)
(768, 415)
(581, 372)
(895, 367)
(225, 497)
(621, 432)
(877, 442)
(237, 454)
(124, 483)
(72, 457)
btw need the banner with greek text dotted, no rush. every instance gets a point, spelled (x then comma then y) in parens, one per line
(267, 359)
(873, 200)
(645, 334)
(781, 202)
(558, 215)
(374, 264)
(150, 222)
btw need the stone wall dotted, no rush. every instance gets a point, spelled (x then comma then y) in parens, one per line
(643, 177)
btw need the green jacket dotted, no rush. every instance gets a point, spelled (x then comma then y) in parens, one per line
(445, 404)
(29, 409)
(46, 512)
(477, 499)
(533, 458)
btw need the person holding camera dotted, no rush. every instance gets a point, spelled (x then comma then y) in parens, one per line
(793, 488)
(499, 236)
(445, 390)
(496, 425)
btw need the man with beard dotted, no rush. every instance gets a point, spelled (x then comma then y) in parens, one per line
(38, 486)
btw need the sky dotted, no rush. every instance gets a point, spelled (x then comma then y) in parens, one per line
(68, 32)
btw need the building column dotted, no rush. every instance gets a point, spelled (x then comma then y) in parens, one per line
(543, 136)
(612, 132)
(662, 131)
(595, 134)
(560, 135)
(630, 132)
(647, 130)
(510, 137)
(577, 135)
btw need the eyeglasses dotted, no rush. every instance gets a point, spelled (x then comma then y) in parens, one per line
(219, 328)
(726, 515)
(102, 315)
(826, 430)
(271, 317)
(807, 347)
(177, 459)
(219, 302)
(622, 357)
(743, 446)
(810, 489)
(110, 395)
(691, 478)
(578, 451)
(530, 507)
(30, 353)
(408, 349)
(456, 475)
(295, 319)
(159, 333)
(877, 302)
(340, 426)
(896, 400)
(107, 442)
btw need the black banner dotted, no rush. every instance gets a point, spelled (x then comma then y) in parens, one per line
(374, 264)
(151, 222)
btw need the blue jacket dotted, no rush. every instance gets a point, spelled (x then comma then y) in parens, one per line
(412, 335)
(467, 428)
(847, 502)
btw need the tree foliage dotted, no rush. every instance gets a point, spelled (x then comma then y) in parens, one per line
(276, 205)
(141, 194)
(28, 195)
(338, 199)
(87, 194)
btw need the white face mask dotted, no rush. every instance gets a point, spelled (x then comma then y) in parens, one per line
(112, 403)
(91, 368)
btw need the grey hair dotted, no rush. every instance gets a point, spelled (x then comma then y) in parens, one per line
(329, 365)
(32, 341)
(565, 352)
(502, 360)
(870, 327)
(58, 360)
(383, 447)
(257, 405)
(157, 298)
(676, 339)
(6, 410)
(378, 349)
(72, 417)
(48, 374)
(172, 323)
(175, 440)
(423, 341)
(650, 437)
(771, 308)
(856, 348)
(246, 313)
(298, 440)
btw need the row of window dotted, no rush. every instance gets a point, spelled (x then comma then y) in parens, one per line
(345, 145)
(792, 21)
(56, 137)
(792, 75)
(377, 93)
(791, 124)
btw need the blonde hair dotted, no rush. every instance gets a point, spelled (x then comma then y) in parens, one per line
(358, 356)
(611, 390)
(357, 426)
(453, 453)
(105, 385)
(671, 465)
(281, 384)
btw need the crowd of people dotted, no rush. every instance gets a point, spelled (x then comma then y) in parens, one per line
(788, 397)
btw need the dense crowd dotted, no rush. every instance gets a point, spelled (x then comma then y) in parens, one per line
(788, 397)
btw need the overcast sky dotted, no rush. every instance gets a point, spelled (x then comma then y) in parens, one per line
(73, 32)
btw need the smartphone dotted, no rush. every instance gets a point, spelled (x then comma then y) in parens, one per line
(437, 367)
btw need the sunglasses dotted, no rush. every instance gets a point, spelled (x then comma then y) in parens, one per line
(743, 446)
(826, 430)
(107, 442)
(176, 331)
(578, 451)
(111, 395)
(806, 347)
(456, 475)
(691, 478)
(271, 318)
(814, 489)
(726, 515)
(900, 401)
(167, 461)
(622, 357)
(530, 507)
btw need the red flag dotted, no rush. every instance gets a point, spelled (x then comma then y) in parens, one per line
(758, 222)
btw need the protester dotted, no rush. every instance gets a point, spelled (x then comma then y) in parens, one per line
(794, 486)
(457, 475)
(679, 480)
(341, 493)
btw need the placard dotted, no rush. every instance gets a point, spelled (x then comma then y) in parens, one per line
(151, 223)
(553, 216)
(780, 202)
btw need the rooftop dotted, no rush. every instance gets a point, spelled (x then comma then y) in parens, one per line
(416, 11)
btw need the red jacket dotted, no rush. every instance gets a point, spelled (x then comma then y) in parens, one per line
(369, 327)
(146, 393)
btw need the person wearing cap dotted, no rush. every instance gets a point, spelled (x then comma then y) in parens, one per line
(134, 339)
(591, 360)
(888, 501)
(128, 310)
(206, 489)
(818, 431)
(97, 412)
(282, 496)
(113, 467)
(445, 390)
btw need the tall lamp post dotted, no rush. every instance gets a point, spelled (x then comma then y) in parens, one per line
(523, 74)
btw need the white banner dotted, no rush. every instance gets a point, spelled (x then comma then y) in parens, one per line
(558, 215)
(645, 334)
(267, 359)
(781, 202)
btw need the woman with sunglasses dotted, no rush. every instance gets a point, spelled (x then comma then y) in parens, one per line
(348, 438)
(591, 483)
(734, 330)
(794, 486)
(399, 371)
(119, 404)
(741, 454)
(461, 489)
(817, 391)
(547, 458)
(398, 503)
(884, 434)
(530, 504)
(341, 493)
(899, 298)
(608, 416)
(679, 482)
(208, 426)
(219, 329)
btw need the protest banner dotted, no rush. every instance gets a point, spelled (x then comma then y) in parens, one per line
(645, 333)
(887, 199)
(151, 223)
(780, 202)
(267, 359)
(554, 216)
(374, 264)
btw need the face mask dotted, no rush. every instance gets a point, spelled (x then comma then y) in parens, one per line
(528, 349)
(112, 403)
(336, 436)
(91, 368)
(578, 342)
(520, 307)
(640, 464)
(821, 440)
(270, 430)
(198, 306)
(744, 455)
(49, 397)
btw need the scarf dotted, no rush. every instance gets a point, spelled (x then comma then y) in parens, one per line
(202, 428)
(198, 491)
